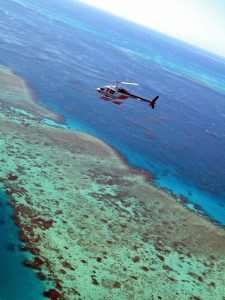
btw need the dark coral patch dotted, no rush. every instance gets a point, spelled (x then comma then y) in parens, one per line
(23, 236)
(94, 280)
(116, 285)
(212, 284)
(136, 259)
(83, 261)
(34, 251)
(18, 191)
(53, 294)
(58, 284)
(41, 276)
(162, 258)
(43, 224)
(12, 177)
(98, 259)
(67, 265)
(34, 264)
(109, 241)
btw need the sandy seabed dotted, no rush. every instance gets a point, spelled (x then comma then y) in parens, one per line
(95, 228)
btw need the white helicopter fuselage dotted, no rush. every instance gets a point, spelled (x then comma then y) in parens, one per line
(109, 91)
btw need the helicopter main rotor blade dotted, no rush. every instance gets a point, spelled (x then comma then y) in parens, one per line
(131, 83)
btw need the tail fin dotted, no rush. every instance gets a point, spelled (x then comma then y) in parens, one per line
(153, 102)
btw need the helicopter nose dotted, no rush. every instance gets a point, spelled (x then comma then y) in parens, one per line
(98, 90)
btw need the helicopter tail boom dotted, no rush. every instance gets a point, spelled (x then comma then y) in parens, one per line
(151, 103)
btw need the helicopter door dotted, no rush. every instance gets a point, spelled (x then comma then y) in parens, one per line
(111, 93)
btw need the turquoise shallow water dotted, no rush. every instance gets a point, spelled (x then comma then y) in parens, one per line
(16, 281)
(199, 201)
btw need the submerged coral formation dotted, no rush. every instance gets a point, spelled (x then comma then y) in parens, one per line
(95, 228)
(17, 98)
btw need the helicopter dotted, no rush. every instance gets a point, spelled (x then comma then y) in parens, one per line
(118, 95)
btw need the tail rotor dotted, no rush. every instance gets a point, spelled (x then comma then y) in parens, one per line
(152, 102)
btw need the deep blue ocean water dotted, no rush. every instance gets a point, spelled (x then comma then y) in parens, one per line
(65, 50)
(16, 281)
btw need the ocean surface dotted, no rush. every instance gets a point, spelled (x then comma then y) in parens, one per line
(65, 50)
(16, 281)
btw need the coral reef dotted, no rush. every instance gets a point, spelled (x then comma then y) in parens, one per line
(94, 227)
